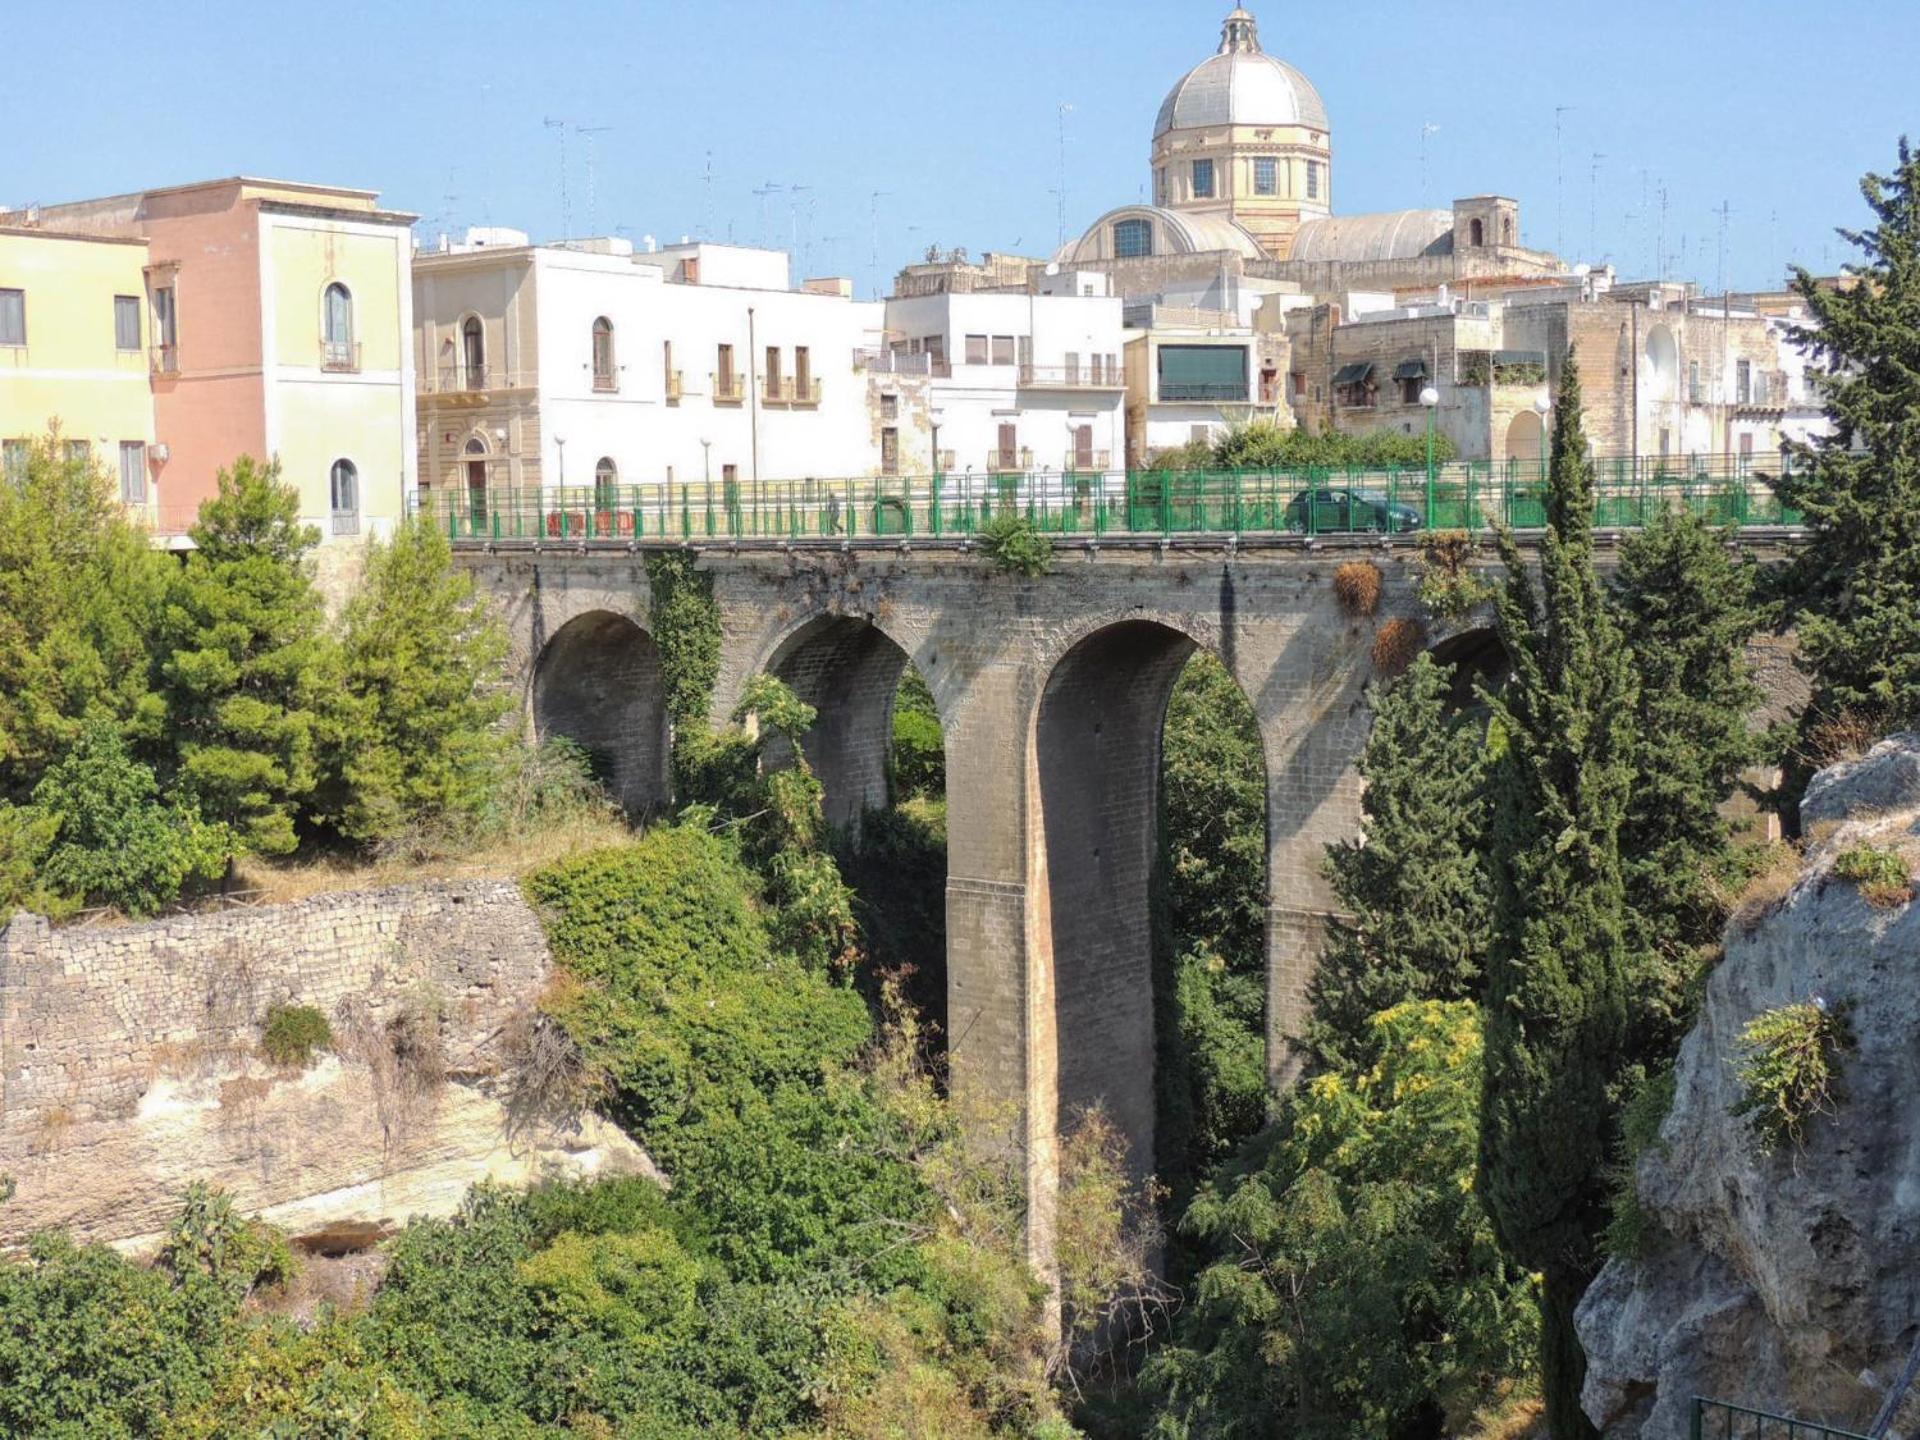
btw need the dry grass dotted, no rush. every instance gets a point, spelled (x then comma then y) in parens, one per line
(1518, 1415)
(280, 884)
(1766, 891)
(1356, 585)
(1845, 736)
(1397, 646)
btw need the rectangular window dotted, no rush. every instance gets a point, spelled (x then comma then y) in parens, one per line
(13, 317)
(1299, 384)
(1132, 239)
(1743, 381)
(773, 372)
(80, 451)
(133, 472)
(13, 458)
(889, 451)
(1007, 453)
(724, 365)
(802, 373)
(1266, 175)
(126, 322)
(1203, 179)
(1003, 349)
(976, 349)
(1073, 366)
(1313, 179)
(1746, 443)
(1203, 373)
(889, 407)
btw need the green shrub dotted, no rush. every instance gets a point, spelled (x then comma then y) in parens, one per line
(292, 1033)
(919, 744)
(1630, 1231)
(1790, 1070)
(1010, 542)
(1448, 587)
(1883, 877)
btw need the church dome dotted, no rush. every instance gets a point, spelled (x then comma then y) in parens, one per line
(1242, 85)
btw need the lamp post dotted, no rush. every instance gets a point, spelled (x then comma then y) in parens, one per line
(1430, 398)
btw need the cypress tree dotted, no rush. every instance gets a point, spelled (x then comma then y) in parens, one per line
(1416, 886)
(1559, 962)
(245, 656)
(1857, 580)
(1686, 605)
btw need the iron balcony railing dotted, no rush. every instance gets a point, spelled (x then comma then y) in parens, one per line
(676, 387)
(166, 359)
(1203, 392)
(1072, 377)
(789, 390)
(472, 380)
(1721, 1420)
(340, 357)
(1003, 461)
(1731, 490)
(728, 389)
(894, 362)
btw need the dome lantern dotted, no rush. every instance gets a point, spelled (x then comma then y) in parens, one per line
(1240, 35)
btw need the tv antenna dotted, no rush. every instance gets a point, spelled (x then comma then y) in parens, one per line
(1429, 128)
(873, 238)
(593, 219)
(1593, 206)
(1065, 108)
(566, 210)
(1559, 181)
(772, 187)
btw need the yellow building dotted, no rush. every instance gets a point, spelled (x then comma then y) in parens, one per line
(74, 329)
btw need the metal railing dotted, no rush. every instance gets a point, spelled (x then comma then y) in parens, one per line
(1203, 392)
(1073, 377)
(1722, 1420)
(676, 387)
(340, 357)
(789, 390)
(166, 359)
(1477, 496)
(471, 380)
(728, 389)
(1004, 462)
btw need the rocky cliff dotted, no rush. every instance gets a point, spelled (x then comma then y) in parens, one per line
(1787, 1282)
(131, 1066)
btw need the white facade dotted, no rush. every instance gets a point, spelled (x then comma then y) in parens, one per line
(1015, 383)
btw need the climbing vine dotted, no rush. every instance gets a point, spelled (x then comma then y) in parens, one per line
(686, 628)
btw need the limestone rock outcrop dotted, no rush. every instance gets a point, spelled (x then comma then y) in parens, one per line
(1787, 1282)
(130, 1066)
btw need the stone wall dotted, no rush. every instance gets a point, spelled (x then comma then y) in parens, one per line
(129, 1063)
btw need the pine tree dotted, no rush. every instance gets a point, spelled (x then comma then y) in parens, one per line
(421, 691)
(245, 659)
(1560, 959)
(1416, 885)
(1857, 580)
(1686, 606)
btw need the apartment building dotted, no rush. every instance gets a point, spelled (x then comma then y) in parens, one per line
(589, 364)
(74, 328)
(278, 321)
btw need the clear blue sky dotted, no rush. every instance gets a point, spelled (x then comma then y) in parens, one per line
(953, 112)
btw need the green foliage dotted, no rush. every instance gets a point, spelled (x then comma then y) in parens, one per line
(1630, 1230)
(246, 663)
(113, 841)
(1883, 876)
(1266, 446)
(1561, 959)
(1686, 607)
(80, 590)
(919, 743)
(1355, 1288)
(26, 836)
(1010, 543)
(686, 629)
(1211, 965)
(218, 1255)
(416, 737)
(1416, 883)
(1790, 1070)
(292, 1033)
(772, 703)
(1449, 588)
(1856, 579)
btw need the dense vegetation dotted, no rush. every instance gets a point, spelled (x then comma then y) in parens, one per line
(160, 718)
(1266, 446)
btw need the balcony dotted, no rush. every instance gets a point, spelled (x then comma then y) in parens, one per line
(728, 389)
(1085, 460)
(473, 381)
(605, 382)
(789, 390)
(1072, 377)
(1005, 462)
(340, 357)
(676, 387)
(893, 362)
(166, 359)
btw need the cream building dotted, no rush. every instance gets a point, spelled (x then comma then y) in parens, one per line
(73, 353)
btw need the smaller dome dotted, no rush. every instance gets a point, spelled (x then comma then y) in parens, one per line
(1393, 235)
(1166, 232)
(1241, 85)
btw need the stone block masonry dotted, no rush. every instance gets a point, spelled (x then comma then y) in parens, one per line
(129, 1064)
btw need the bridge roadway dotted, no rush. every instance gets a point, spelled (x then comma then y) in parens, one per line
(1052, 692)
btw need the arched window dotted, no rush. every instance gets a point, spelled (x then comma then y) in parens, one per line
(336, 329)
(345, 488)
(606, 483)
(1507, 230)
(1132, 239)
(1478, 236)
(475, 451)
(603, 354)
(473, 354)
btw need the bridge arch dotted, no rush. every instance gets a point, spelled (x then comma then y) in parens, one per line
(849, 669)
(1094, 787)
(597, 682)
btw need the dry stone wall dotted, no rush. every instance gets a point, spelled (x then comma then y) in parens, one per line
(130, 1065)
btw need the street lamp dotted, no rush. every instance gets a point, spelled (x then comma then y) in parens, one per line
(1430, 398)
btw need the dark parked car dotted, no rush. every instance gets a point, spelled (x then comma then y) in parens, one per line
(1322, 511)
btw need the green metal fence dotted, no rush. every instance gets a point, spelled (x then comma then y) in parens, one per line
(1728, 490)
(1721, 1420)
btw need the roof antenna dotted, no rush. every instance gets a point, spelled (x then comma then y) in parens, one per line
(566, 210)
(590, 131)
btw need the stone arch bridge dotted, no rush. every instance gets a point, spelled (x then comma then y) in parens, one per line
(1052, 693)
